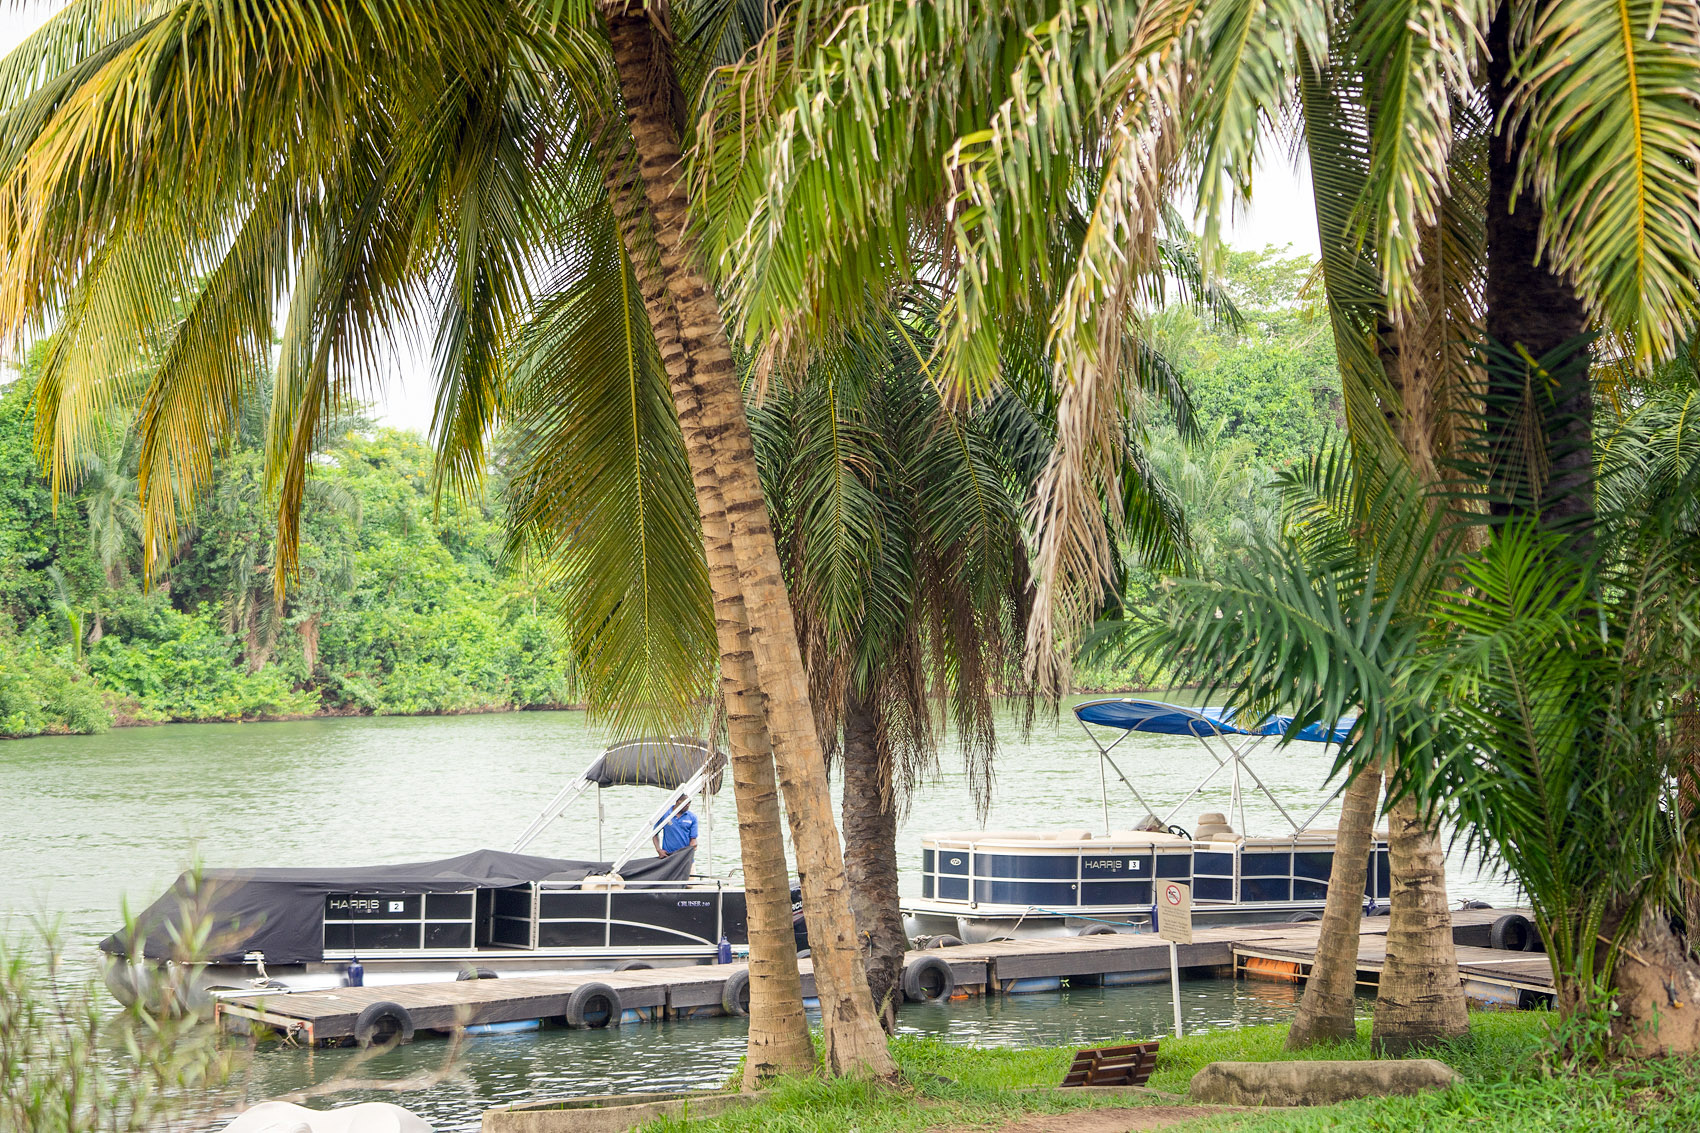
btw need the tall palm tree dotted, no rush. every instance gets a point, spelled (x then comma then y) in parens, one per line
(349, 164)
(898, 519)
(709, 401)
(1071, 117)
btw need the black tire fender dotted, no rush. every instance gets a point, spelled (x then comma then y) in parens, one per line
(1099, 930)
(594, 1004)
(633, 966)
(1512, 932)
(928, 980)
(475, 974)
(1304, 916)
(945, 940)
(735, 994)
(383, 1023)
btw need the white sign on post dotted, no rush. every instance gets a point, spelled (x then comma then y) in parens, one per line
(1174, 912)
(1174, 924)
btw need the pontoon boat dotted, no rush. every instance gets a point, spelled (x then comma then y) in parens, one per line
(983, 885)
(482, 914)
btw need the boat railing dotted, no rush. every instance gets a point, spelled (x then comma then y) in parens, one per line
(1098, 873)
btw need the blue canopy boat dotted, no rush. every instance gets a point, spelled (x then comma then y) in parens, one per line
(989, 884)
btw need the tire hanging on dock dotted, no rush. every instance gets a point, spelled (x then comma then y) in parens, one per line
(593, 1005)
(928, 980)
(383, 1024)
(1513, 933)
(735, 994)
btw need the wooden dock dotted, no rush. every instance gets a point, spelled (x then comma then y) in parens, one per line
(1492, 977)
(1274, 951)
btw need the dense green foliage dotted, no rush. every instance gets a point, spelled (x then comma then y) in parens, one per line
(402, 606)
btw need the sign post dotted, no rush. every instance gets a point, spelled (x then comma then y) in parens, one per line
(1174, 924)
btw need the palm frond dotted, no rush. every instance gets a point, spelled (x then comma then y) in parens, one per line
(601, 500)
(1605, 93)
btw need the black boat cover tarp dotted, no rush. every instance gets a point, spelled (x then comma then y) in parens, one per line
(650, 763)
(281, 912)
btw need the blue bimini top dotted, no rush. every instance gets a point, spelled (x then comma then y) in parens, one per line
(1174, 720)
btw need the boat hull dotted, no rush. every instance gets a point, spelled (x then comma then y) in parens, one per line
(992, 885)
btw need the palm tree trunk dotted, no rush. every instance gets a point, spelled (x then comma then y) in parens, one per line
(1529, 305)
(1325, 1012)
(1656, 983)
(779, 1030)
(1420, 999)
(855, 1041)
(870, 856)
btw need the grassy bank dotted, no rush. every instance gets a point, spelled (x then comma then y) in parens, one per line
(1505, 1087)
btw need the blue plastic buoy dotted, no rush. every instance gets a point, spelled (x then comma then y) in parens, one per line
(725, 949)
(515, 1027)
(356, 973)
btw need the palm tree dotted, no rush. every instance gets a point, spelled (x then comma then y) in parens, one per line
(600, 501)
(1012, 186)
(359, 160)
(899, 522)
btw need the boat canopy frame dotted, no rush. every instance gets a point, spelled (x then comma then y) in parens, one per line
(1205, 725)
(683, 765)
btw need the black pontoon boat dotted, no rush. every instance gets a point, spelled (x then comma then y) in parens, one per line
(485, 913)
(987, 884)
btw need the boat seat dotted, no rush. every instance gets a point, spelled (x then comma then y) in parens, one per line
(1210, 824)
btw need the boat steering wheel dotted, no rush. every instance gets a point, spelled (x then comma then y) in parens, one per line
(1179, 832)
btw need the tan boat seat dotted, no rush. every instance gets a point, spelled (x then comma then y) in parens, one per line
(1211, 824)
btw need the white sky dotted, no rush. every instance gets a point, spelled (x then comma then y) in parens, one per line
(1281, 213)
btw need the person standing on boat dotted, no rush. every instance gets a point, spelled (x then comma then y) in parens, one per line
(679, 833)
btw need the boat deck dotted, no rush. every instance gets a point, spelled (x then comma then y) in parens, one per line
(1274, 951)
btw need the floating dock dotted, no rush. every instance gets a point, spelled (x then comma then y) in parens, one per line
(1012, 967)
(1492, 977)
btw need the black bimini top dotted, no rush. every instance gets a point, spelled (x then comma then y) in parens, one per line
(281, 912)
(665, 763)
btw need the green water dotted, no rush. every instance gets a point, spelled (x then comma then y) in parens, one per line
(90, 822)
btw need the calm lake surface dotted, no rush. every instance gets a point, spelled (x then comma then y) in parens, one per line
(94, 821)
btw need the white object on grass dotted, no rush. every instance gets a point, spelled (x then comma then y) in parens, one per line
(367, 1117)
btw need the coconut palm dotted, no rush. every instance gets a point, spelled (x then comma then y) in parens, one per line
(347, 165)
(1069, 116)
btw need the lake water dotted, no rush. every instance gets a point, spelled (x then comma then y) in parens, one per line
(88, 823)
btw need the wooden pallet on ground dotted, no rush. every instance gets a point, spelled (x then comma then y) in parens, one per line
(1113, 1066)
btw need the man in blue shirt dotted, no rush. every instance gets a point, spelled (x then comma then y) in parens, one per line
(679, 833)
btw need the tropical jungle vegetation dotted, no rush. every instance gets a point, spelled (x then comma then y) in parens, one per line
(631, 222)
(402, 606)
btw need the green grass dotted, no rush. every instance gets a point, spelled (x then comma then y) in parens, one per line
(1505, 1089)
(943, 1085)
(1500, 1044)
